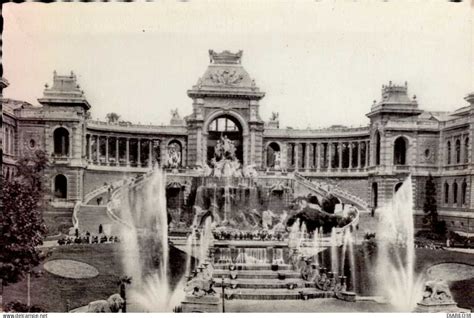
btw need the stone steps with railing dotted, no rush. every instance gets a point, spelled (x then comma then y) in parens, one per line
(325, 188)
(276, 294)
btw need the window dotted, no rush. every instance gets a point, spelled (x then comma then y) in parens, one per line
(61, 142)
(455, 192)
(223, 124)
(464, 192)
(446, 193)
(448, 153)
(400, 149)
(375, 193)
(377, 148)
(458, 151)
(466, 150)
(32, 143)
(60, 187)
(397, 186)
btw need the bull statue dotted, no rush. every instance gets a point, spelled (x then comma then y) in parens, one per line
(113, 304)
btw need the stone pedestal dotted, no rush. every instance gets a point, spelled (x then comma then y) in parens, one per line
(447, 307)
(201, 304)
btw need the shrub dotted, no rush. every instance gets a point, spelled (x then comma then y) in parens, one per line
(16, 306)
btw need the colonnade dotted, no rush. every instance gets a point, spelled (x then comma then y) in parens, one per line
(327, 156)
(122, 151)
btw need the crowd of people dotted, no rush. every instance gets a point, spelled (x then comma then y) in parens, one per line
(88, 239)
(255, 235)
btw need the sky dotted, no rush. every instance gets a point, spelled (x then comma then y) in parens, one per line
(320, 63)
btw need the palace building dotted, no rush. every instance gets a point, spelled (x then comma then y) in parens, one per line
(367, 164)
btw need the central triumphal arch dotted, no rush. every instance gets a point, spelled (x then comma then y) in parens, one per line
(225, 103)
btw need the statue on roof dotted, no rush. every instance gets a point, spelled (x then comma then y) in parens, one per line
(175, 114)
(275, 116)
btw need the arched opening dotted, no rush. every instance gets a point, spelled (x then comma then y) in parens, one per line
(400, 151)
(220, 130)
(362, 150)
(448, 153)
(397, 186)
(458, 151)
(455, 192)
(377, 148)
(345, 155)
(60, 186)
(175, 153)
(446, 193)
(61, 142)
(375, 195)
(273, 155)
(354, 148)
(464, 192)
(466, 150)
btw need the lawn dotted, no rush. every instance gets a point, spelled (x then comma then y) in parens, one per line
(52, 292)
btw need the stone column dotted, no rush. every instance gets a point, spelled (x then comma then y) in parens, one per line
(150, 153)
(307, 155)
(349, 147)
(199, 158)
(139, 144)
(252, 147)
(117, 157)
(127, 152)
(317, 156)
(329, 155)
(245, 151)
(90, 148)
(97, 148)
(296, 154)
(340, 155)
(367, 153)
(107, 150)
(359, 157)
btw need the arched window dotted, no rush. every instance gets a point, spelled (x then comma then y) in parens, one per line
(222, 124)
(175, 157)
(377, 148)
(61, 142)
(400, 151)
(458, 151)
(448, 153)
(60, 186)
(446, 193)
(273, 155)
(455, 192)
(375, 195)
(464, 192)
(228, 128)
(466, 150)
(397, 186)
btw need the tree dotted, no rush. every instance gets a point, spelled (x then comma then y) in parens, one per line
(112, 118)
(430, 206)
(22, 223)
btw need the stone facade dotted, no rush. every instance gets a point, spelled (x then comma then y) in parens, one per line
(370, 161)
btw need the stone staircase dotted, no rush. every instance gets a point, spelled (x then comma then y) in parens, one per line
(264, 282)
(323, 189)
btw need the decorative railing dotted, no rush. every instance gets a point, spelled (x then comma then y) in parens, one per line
(325, 189)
